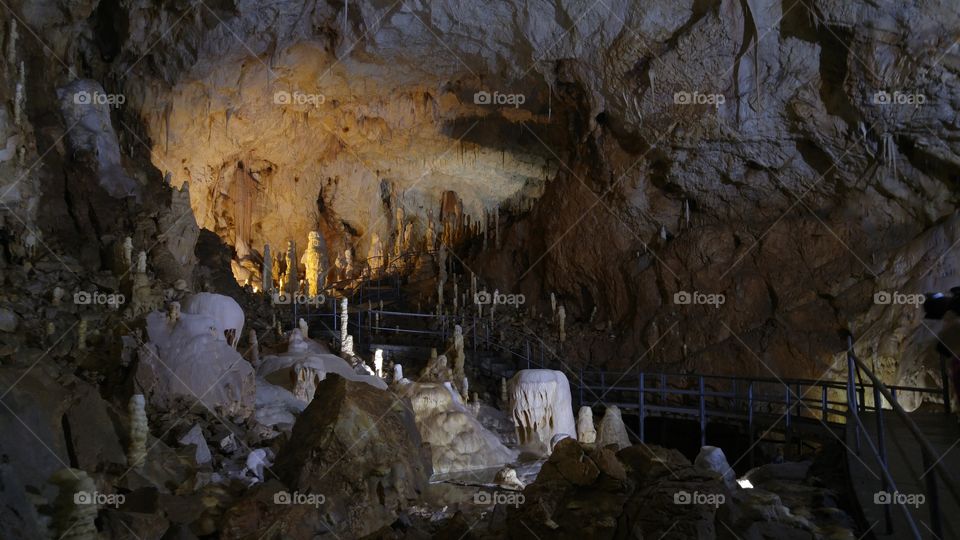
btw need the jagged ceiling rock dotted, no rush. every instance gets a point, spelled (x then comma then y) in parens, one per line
(775, 152)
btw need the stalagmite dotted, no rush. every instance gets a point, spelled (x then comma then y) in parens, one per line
(344, 320)
(20, 97)
(465, 388)
(137, 451)
(173, 312)
(430, 237)
(142, 262)
(304, 327)
(504, 396)
(313, 262)
(254, 348)
(553, 305)
(290, 280)
(397, 372)
(586, 433)
(75, 507)
(456, 295)
(541, 407)
(561, 321)
(459, 358)
(128, 252)
(612, 430)
(266, 275)
(57, 296)
(82, 335)
(378, 362)
(347, 348)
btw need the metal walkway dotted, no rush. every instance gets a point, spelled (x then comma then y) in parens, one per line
(889, 450)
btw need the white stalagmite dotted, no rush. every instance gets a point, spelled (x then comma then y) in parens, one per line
(541, 407)
(142, 262)
(586, 433)
(553, 305)
(612, 430)
(136, 410)
(304, 328)
(313, 262)
(378, 362)
(504, 396)
(561, 321)
(465, 389)
(397, 372)
(712, 458)
(344, 321)
(266, 275)
(290, 280)
(74, 508)
(459, 358)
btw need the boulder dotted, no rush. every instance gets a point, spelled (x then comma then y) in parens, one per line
(358, 448)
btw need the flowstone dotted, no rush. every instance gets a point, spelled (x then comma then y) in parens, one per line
(541, 407)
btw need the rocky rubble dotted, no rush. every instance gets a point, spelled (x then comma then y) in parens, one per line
(652, 492)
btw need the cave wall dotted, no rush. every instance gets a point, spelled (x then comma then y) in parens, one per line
(806, 194)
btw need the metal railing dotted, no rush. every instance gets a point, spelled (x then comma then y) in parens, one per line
(932, 463)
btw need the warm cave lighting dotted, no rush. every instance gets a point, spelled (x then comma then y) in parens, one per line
(554, 269)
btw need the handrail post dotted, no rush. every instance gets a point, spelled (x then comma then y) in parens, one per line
(945, 378)
(852, 390)
(882, 455)
(750, 419)
(935, 519)
(641, 407)
(703, 414)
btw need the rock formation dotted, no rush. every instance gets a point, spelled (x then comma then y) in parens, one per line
(612, 431)
(541, 407)
(348, 433)
(585, 430)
